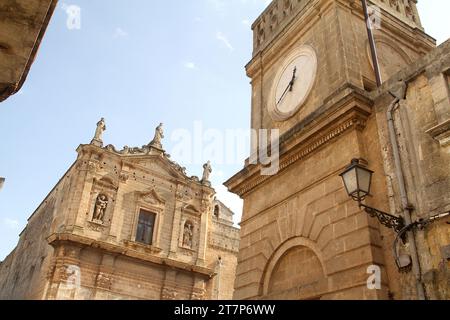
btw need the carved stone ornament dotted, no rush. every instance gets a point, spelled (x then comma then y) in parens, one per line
(101, 204)
(188, 235)
(151, 197)
(104, 281)
(198, 294)
(168, 294)
(123, 177)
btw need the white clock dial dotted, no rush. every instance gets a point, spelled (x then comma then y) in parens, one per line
(293, 83)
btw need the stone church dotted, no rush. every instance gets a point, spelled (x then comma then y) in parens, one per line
(126, 224)
(312, 78)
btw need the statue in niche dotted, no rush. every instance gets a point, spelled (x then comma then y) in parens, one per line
(188, 234)
(159, 135)
(207, 170)
(100, 207)
(101, 127)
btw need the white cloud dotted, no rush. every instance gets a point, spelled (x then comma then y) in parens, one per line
(190, 65)
(120, 33)
(246, 22)
(222, 38)
(11, 223)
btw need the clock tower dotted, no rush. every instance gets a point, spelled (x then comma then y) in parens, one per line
(311, 74)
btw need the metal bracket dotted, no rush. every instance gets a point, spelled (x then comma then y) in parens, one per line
(386, 219)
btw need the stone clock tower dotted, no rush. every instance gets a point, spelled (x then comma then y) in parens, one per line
(302, 237)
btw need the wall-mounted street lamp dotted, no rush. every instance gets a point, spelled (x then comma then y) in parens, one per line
(357, 181)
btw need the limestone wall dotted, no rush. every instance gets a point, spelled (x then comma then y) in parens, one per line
(421, 122)
(23, 274)
(67, 252)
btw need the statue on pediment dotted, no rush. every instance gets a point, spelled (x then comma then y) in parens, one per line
(159, 135)
(101, 127)
(207, 170)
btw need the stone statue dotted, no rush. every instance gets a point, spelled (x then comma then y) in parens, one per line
(159, 135)
(100, 207)
(101, 127)
(188, 235)
(207, 170)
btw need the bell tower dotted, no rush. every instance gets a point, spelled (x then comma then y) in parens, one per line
(311, 77)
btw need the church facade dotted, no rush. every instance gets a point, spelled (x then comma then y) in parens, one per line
(126, 224)
(312, 77)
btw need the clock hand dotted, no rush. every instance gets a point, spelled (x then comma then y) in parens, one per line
(290, 85)
(284, 93)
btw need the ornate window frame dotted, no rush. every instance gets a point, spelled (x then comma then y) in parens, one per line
(149, 201)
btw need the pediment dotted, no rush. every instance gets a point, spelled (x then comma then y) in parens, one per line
(107, 182)
(158, 165)
(151, 197)
(191, 209)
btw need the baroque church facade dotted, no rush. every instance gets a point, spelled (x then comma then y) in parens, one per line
(126, 224)
(312, 78)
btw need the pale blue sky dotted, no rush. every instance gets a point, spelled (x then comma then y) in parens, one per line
(136, 63)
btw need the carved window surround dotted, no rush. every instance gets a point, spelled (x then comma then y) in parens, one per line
(149, 201)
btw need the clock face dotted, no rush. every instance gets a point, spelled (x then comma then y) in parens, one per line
(293, 83)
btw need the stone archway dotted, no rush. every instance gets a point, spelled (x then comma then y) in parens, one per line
(295, 272)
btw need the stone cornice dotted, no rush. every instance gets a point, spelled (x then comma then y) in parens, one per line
(129, 159)
(58, 239)
(349, 112)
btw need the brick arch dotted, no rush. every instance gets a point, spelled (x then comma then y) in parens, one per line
(291, 249)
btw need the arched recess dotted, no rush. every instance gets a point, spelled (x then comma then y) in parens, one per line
(296, 270)
(391, 56)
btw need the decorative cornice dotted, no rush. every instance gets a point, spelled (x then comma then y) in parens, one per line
(58, 239)
(88, 149)
(349, 114)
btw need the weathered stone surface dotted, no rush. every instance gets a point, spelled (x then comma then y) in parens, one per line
(81, 243)
(22, 27)
(304, 207)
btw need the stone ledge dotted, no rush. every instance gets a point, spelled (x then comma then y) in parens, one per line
(57, 238)
(441, 133)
